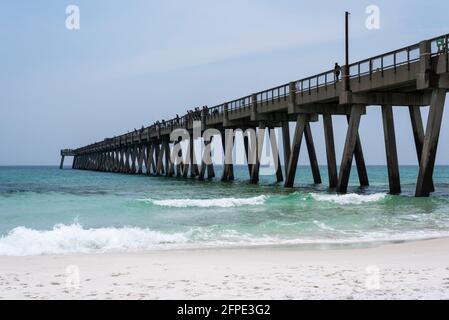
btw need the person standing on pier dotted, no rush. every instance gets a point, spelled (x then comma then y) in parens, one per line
(337, 71)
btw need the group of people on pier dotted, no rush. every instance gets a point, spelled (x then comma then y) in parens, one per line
(197, 113)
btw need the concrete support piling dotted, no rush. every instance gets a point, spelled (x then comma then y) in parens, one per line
(391, 150)
(294, 154)
(360, 161)
(286, 143)
(275, 154)
(418, 135)
(312, 154)
(351, 142)
(330, 150)
(257, 149)
(430, 145)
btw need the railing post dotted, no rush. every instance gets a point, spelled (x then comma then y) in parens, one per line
(408, 59)
(291, 97)
(382, 65)
(358, 70)
(394, 61)
(346, 78)
(253, 108)
(446, 41)
(225, 114)
(423, 79)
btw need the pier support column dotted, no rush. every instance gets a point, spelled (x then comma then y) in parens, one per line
(179, 164)
(224, 174)
(260, 138)
(227, 139)
(100, 161)
(145, 150)
(150, 158)
(117, 160)
(114, 161)
(166, 158)
(418, 134)
(140, 156)
(84, 163)
(427, 163)
(168, 161)
(312, 154)
(107, 162)
(205, 159)
(210, 165)
(391, 150)
(210, 171)
(102, 164)
(275, 154)
(127, 166)
(352, 139)
(160, 159)
(194, 172)
(62, 163)
(286, 143)
(91, 164)
(88, 162)
(133, 159)
(186, 164)
(360, 161)
(330, 150)
(97, 161)
(145, 158)
(104, 157)
(122, 160)
(157, 152)
(110, 161)
(294, 154)
(248, 152)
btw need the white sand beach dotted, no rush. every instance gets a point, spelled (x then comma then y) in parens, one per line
(415, 270)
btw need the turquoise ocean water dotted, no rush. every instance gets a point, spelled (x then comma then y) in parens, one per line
(44, 210)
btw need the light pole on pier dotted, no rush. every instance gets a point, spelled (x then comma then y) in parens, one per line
(346, 74)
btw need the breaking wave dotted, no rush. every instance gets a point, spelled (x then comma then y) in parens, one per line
(347, 199)
(71, 239)
(206, 203)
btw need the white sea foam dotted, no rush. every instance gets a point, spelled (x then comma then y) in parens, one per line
(206, 203)
(74, 238)
(70, 239)
(349, 198)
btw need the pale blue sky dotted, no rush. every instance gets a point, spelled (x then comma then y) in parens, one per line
(133, 62)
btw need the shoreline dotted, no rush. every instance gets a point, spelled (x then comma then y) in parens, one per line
(407, 270)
